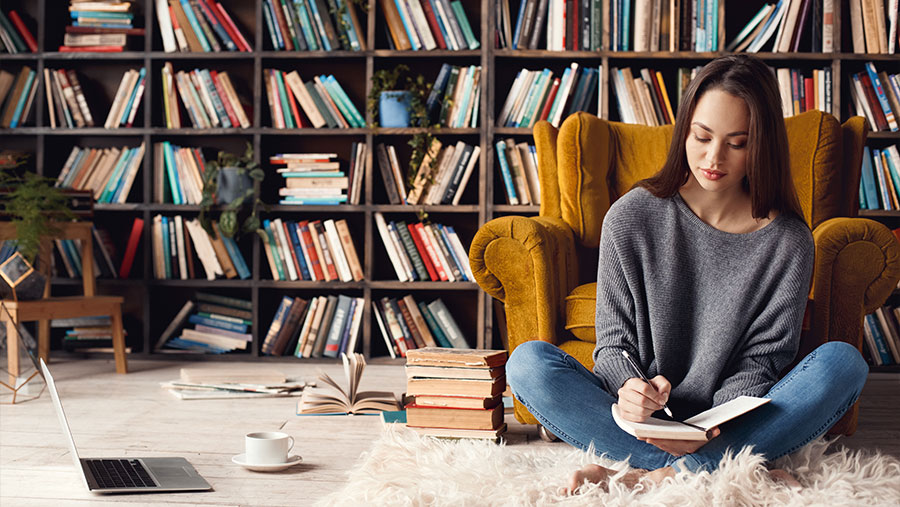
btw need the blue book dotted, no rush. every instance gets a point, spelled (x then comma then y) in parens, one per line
(519, 20)
(444, 233)
(237, 258)
(195, 25)
(345, 334)
(893, 170)
(335, 330)
(882, 181)
(120, 186)
(185, 344)
(137, 84)
(347, 23)
(433, 326)
(115, 178)
(92, 24)
(219, 324)
(317, 16)
(167, 255)
(442, 26)
(356, 118)
(879, 339)
(174, 183)
(432, 104)
(274, 29)
(295, 244)
(463, 21)
(104, 14)
(765, 27)
(276, 252)
(293, 200)
(407, 334)
(862, 198)
(504, 171)
(407, 25)
(882, 98)
(868, 180)
(26, 92)
(306, 25)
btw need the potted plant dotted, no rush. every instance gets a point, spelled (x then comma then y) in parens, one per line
(232, 181)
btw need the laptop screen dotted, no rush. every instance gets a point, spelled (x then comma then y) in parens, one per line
(57, 405)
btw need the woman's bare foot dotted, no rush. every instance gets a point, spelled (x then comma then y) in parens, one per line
(600, 475)
(783, 476)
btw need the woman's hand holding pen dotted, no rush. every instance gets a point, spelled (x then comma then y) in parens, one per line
(638, 400)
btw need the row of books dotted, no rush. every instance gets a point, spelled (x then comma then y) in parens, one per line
(15, 37)
(873, 26)
(69, 105)
(208, 97)
(456, 393)
(428, 24)
(876, 96)
(108, 172)
(881, 336)
(107, 261)
(788, 21)
(424, 251)
(879, 186)
(86, 334)
(198, 25)
(322, 100)
(643, 100)
(92, 14)
(455, 97)
(800, 93)
(221, 324)
(317, 250)
(537, 95)
(518, 168)
(176, 243)
(305, 25)
(324, 326)
(16, 96)
(441, 177)
(406, 325)
(314, 178)
(177, 174)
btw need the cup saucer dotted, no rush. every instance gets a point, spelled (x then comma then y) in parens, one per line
(241, 459)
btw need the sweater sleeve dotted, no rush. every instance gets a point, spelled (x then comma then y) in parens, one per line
(615, 317)
(773, 338)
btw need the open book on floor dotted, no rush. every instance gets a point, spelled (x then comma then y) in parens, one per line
(660, 428)
(351, 401)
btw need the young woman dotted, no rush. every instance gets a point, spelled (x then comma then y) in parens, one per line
(703, 277)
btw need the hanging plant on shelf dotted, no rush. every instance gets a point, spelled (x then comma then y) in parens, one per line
(232, 181)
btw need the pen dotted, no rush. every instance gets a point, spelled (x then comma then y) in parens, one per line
(637, 369)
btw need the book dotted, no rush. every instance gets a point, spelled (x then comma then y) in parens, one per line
(709, 419)
(134, 240)
(486, 388)
(458, 401)
(417, 371)
(349, 400)
(460, 358)
(456, 418)
(175, 324)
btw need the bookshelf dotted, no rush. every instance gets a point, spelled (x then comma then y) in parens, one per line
(151, 304)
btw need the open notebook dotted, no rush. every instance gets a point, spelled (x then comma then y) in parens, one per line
(660, 428)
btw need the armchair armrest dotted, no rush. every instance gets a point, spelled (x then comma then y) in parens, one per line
(529, 264)
(857, 268)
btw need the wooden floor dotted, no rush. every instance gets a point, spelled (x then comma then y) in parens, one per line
(130, 415)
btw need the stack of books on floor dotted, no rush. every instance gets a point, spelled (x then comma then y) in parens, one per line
(16, 96)
(113, 16)
(317, 250)
(458, 393)
(221, 324)
(518, 168)
(199, 25)
(455, 97)
(642, 100)
(424, 252)
(108, 172)
(876, 97)
(407, 325)
(15, 37)
(803, 91)
(314, 178)
(324, 326)
(881, 332)
(177, 174)
(313, 25)
(428, 24)
(87, 334)
(879, 186)
(537, 95)
(69, 255)
(177, 244)
(65, 99)
(208, 96)
(441, 176)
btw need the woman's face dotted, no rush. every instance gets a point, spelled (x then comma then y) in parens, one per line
(716, 145)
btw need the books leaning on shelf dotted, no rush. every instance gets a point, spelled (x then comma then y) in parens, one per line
(15, 36)
(316, 250)
(221, 324)
(409, 325)
(178, 244)
(313, 25)
(458, 393)
(800, 93)
(69, 256)
(518, 168)
(441, 177)
(177, 174)
(643, 99)
(880, 336)
(112, 16)
(879, 186)
(324, 326)
(108, 172)
(322, 100)
(455, 96)
(198, 25)
(424, 252)
(876, 97)
(873, 26)
(346, 401)
(537, 95)
(208, 97)
(16, 96)
(314, 178)
(65, 99)
(428, 24)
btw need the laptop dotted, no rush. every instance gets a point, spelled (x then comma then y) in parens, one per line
(127, 475)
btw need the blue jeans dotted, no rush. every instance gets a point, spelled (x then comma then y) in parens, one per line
(570, 402)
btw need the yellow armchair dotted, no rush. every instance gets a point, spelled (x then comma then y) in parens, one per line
(543, 269)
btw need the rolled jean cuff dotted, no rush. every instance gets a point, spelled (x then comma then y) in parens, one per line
(687, 463)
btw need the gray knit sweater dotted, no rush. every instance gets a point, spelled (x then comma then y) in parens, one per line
(718, 314)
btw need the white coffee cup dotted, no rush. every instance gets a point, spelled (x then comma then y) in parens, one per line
(267, 447)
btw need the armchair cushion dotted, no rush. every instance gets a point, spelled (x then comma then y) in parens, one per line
(581, 309)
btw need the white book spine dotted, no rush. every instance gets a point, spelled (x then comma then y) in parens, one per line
(389, 246)
(179, 243)
(337, 251)
(165, 26)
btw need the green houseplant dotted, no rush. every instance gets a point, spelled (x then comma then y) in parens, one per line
(233, 182)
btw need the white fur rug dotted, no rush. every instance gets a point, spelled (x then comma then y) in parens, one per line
(403, 468)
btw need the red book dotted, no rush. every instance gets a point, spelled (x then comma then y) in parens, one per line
(282, 26)
(294, 110)
(133, 241)
(809, 89)
(550, 96)
(870, 97)
(323, 241)
(97, 29)
(231, 28)
(659, 97)
(20, 26)
(439, 268)
(198, 157)
(433, 23)
(91, 49)
(306, 238)
(229, 110)
(422, 252)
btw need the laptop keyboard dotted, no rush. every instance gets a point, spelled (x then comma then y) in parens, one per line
(120, 473)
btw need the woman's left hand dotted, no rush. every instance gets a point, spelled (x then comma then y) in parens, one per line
(680, 447)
